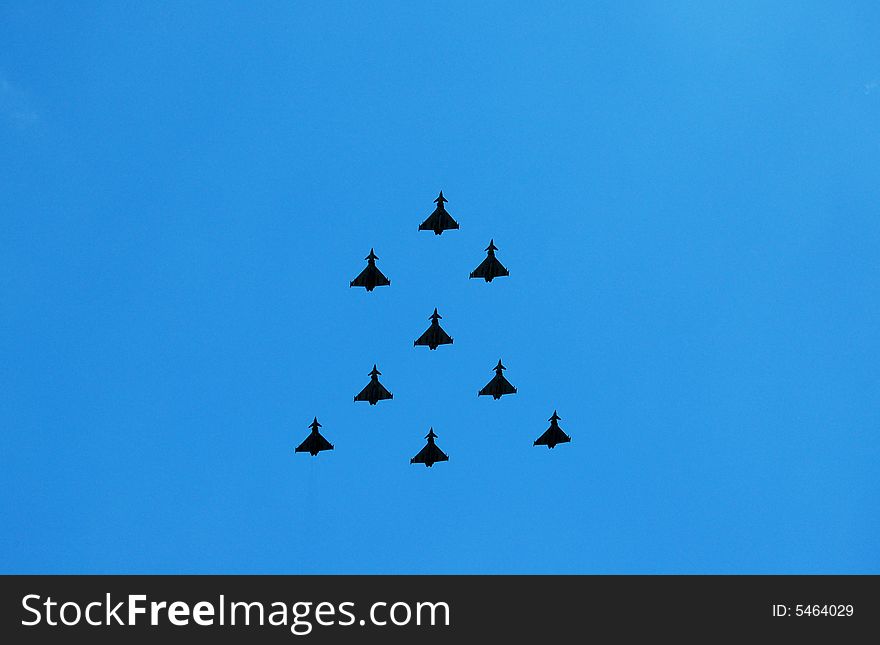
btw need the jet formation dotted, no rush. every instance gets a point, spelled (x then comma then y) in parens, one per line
(371, 277)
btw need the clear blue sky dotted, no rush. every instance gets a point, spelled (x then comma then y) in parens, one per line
(686, 196)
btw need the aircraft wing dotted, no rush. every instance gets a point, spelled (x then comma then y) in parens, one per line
(498, 268)
(374, 389)
(382, 393)
(482, 270)
(370, 277)
(426, 338)
(314, 443)
(552, 436)
(437, 454)
(446, 221)
(498, 386)
(430, 454)
(381, 280)
(363, 395)
(428, 224)
(442, 338)
(438, 221)
(504, 386)
(490, 268)
(361, 280)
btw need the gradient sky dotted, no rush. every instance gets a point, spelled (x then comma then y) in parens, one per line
(686, 196)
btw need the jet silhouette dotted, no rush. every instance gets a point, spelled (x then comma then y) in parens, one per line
(430, 454)
(374, 391)
(498, 386)
(434, 335)
(439, 220)
(370, 277)
(554, 434)
(490, 267)
(314, 443)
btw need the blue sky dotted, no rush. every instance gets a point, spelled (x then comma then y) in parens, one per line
(685, 194)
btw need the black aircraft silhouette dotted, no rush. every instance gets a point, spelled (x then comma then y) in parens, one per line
(490, 267)
(498, 386)
(370, 277)
(439, 220)
(434, 335)
(554, 434)
(314, 443)
(430, 454)
(374, 391)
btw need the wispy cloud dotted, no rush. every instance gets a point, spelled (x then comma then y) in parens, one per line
(15, 107)
(871, 86)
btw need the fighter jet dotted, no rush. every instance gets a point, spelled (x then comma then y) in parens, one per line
(554, 434)
(498, 386)
(434, 335)
(375, 391)
(490, 267)
(370, 277)
(430, 454)
(439, 220)
(314, 443)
